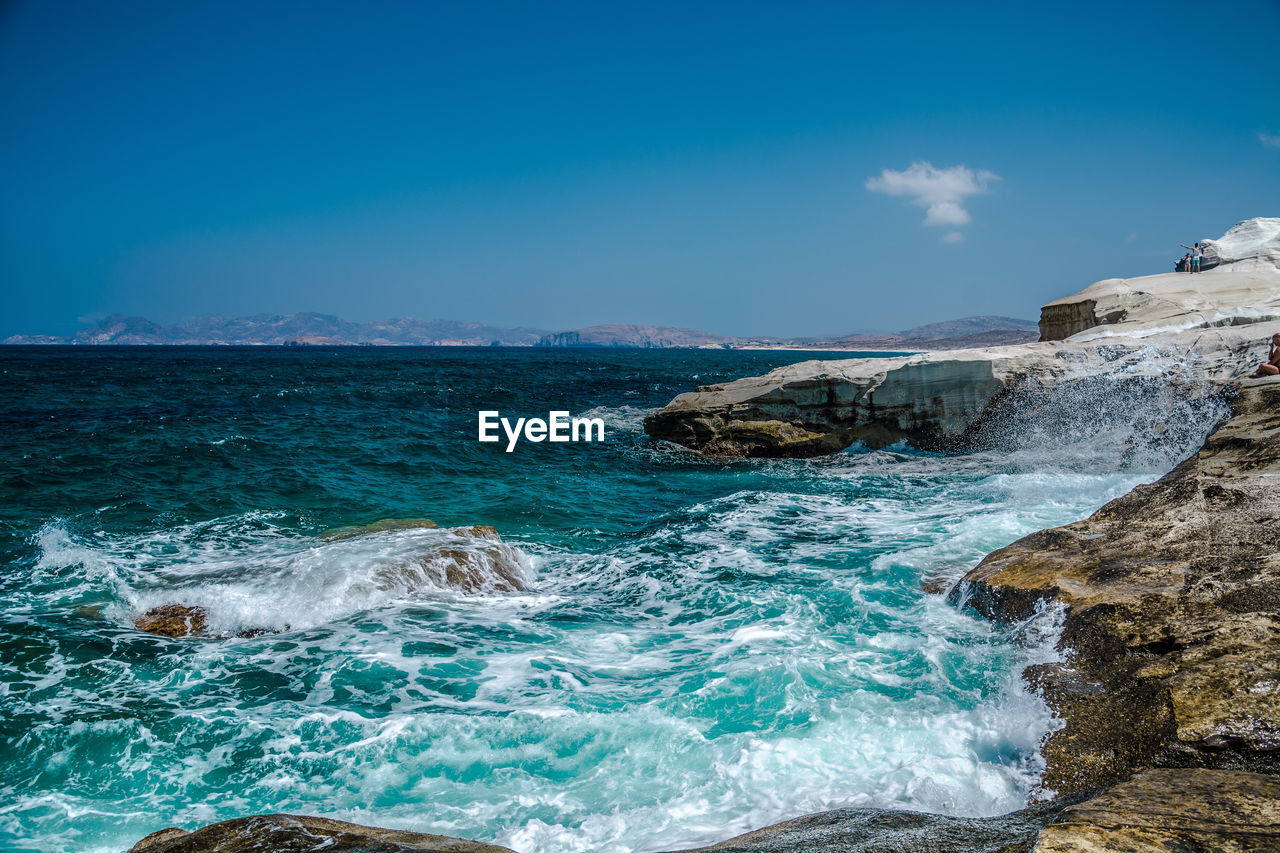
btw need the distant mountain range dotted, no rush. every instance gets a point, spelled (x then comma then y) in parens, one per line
(290, 329)
(310, 329)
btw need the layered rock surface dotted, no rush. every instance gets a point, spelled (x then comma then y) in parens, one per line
(935, 400)
(1215, 322)
(1173, 612)
(1159, 811)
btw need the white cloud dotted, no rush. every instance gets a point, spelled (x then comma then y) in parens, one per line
(953, 238)
(1268, 140)
(942, 191)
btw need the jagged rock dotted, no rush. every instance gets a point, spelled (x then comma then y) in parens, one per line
(1173, 612)
(891, 831)
(1159, 811)
(155, 838)
(282, 833)
(336, 534)
(468, 559)
(179, 620)
(172, 620)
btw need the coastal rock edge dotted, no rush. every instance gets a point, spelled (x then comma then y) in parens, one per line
(1172, 626)
(284, 833)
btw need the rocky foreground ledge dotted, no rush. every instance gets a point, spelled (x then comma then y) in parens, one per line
(283, 833)
(1173, 612)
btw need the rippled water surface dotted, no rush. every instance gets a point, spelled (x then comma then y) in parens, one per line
(703, 648)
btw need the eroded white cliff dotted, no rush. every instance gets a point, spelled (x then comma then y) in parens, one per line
(1212, 325)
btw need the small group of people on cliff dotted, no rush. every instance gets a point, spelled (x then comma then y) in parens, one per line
(1190, 262)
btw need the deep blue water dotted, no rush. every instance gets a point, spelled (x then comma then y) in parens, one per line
(703, 646)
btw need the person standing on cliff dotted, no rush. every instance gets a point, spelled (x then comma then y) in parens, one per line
(1196, 252)
(1271, 367)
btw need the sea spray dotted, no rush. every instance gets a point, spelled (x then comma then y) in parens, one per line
(703, 647)
(1147, 409)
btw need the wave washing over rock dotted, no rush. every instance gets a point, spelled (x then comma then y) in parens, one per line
(1168, 689)
(1217, 322)
(702, 648)
(242, 576)
(750, 642)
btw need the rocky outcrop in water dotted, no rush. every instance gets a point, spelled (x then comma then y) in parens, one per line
(1216, 323)
(937, 400)
(282, 833)
(173, 620)
(180, 620)
(480, 562)
(1172, 626)
(1156, 811)
(470, 560)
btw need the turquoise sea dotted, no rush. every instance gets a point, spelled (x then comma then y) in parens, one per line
(703, 647)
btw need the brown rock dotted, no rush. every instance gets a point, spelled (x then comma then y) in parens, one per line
(1062, 319)
(172, 620)
(282, 833)
(936, 586)
(1159, 811)
(487, 565)
(158, 836)
(1173, 623)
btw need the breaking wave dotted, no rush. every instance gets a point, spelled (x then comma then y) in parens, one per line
(660, 652)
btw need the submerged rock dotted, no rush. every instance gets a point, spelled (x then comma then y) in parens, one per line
(381, 526)
(1173, 612)
(470, 559)
(481, 562)
(172, 620)
(282, 833)
(476, 560)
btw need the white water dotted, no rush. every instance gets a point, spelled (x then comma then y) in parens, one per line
(734, 661)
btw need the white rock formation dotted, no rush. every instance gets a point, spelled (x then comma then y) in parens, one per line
(1208, 326)
(1153, 305)
(1249, 245)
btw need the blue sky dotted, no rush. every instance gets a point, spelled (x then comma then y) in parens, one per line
(712, 165)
